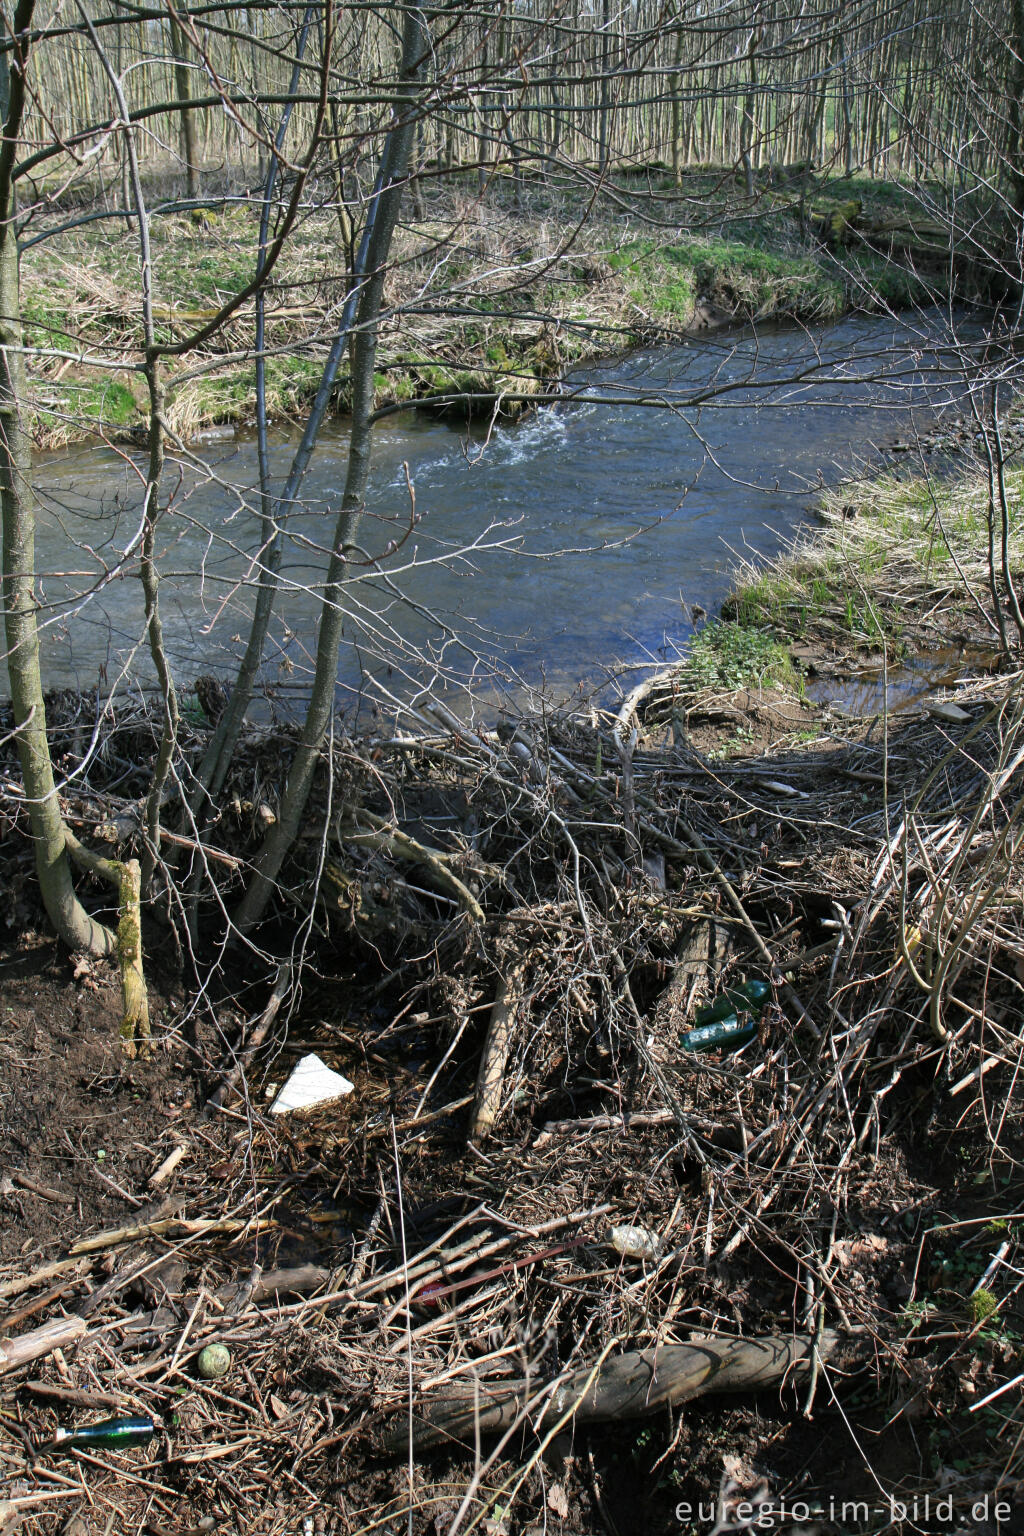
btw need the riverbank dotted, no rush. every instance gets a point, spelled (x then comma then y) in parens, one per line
(492, 294)
(846, 1178)
(507, 936)
(886, 601)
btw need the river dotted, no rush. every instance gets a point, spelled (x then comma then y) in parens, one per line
(548, 551)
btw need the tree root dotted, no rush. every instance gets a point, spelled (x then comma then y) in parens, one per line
(125, 876)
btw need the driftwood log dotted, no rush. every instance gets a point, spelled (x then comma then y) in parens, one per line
(627, 1386)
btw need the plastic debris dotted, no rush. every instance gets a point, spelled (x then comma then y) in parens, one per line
(311, 1083)
(214, 1362)
(634, 1242)
(115, 1433)
(943, 709)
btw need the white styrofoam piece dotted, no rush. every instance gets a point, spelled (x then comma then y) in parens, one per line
(945, 709)
(311, 1083)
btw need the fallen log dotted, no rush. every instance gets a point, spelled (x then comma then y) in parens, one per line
(629, 1386)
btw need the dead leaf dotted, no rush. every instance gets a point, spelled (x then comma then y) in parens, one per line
(557, 1501)
(869, 1247)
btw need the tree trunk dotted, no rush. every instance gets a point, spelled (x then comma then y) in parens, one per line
(184, 96)
(1015, 154)
(382, 218)
(17, 509)
(675, 88)
(747, 126)
(846, 105)
(604, 120)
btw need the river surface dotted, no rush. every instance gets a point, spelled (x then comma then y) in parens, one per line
(550, 551)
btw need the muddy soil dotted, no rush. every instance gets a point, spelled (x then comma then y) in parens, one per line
(79, 1124)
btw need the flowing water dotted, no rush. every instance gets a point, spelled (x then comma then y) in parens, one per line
(550, 550)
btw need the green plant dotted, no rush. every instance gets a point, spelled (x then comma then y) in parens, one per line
(192, 711)
(728, 655)
(917, 1312)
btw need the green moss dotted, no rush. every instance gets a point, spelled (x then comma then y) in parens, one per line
(981, 1304)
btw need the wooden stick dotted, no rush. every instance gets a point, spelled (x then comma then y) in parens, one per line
(494, 1059)
(282, 986)
(172, 1224)
(46, 1272)
(372, 831)
(168, 1165)
(78, 1397)
(429, 1295)
(626, 1121)
(41, 1341)
(22, 1315)
(42, 1190)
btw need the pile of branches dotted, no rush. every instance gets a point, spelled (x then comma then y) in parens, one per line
(558, 1193)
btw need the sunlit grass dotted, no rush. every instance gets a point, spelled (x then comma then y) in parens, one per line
(891, 550)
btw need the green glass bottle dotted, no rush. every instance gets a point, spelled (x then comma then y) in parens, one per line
(729, 1031)
(115, 1434)
(749, 997)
